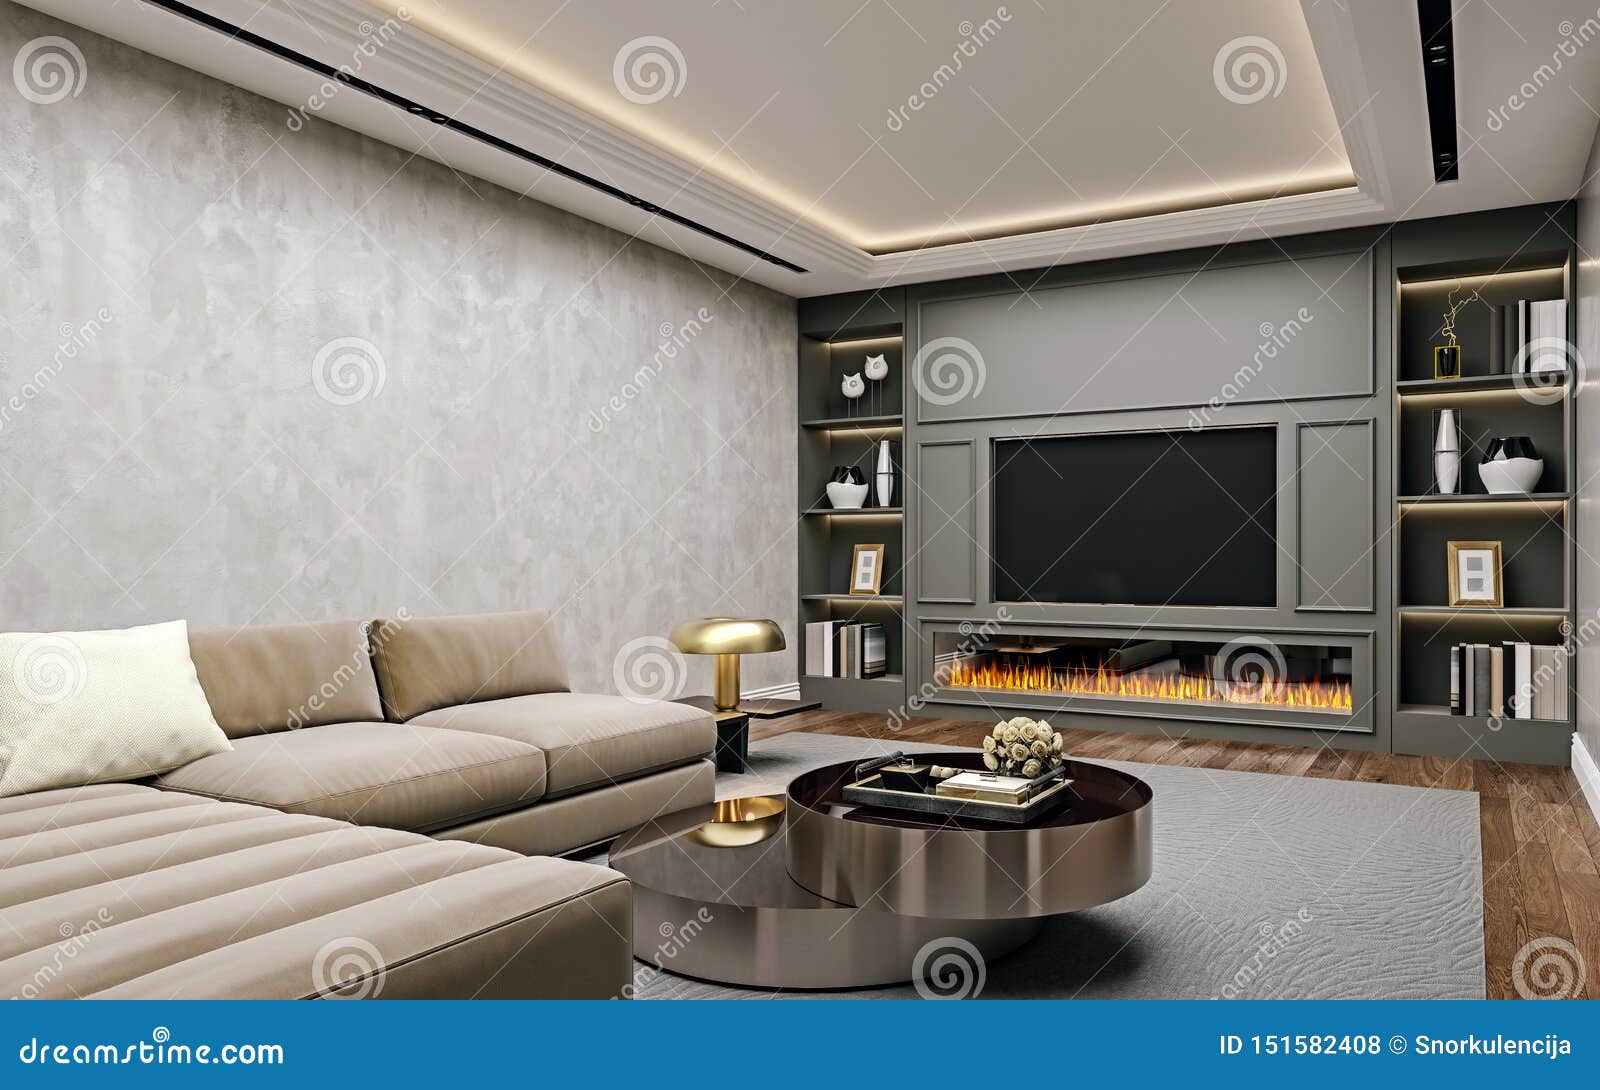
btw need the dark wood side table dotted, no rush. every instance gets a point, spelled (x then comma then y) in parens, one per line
(733, 727)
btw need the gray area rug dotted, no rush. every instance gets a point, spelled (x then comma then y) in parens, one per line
(1265, 887)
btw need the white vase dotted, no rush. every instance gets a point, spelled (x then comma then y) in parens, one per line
(1447, 471)
(1510, 476)
(1447, 452)
(885, 474)
(844, 496)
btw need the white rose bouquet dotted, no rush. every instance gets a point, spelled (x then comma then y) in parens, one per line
(1022, 747)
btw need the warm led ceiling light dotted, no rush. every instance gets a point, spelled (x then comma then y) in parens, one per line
(1080, 215)
(438, 21)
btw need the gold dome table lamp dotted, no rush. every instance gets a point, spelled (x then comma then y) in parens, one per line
(727, 638)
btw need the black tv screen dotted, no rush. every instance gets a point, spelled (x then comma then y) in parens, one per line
(1183, 518)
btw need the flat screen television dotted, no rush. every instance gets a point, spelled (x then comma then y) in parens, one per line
(1182, 518)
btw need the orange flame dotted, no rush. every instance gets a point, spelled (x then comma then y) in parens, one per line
(1328, 696)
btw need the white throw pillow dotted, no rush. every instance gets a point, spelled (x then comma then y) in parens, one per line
(94, 707)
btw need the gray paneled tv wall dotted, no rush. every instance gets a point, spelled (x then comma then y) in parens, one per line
(1293, 334)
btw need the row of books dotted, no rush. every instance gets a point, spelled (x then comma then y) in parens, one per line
(1515, 325)
(846, 649)
(1512, 681)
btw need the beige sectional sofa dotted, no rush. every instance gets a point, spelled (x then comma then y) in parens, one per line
(363, 756)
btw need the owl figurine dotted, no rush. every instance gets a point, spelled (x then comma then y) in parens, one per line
(852, 386)
(877, 368)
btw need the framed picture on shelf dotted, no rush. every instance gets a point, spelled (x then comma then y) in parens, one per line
(866, 569)
(1474, 568)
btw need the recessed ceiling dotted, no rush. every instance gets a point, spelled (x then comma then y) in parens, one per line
(786, 146)
(898, 126)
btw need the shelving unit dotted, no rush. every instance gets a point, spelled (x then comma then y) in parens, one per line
(1535, 530)
(854, 512)
(836, 336)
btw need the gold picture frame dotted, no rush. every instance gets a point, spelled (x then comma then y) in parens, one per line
(1475, 573)
(866, 570)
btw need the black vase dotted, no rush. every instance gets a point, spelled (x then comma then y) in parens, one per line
(1508, 447)
(848, 475)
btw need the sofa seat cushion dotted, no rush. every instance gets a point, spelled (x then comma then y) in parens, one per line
(589, 740)
(392, 774)
(126, 892)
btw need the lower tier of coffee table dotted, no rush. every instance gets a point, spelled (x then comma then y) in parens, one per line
(713, 900)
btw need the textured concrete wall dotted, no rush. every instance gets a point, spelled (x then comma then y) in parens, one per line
(1587, 478)
(254, 375)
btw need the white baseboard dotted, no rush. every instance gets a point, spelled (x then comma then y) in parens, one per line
(789, 690)
(1588, 773)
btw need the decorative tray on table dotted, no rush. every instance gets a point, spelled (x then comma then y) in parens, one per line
(891, 783)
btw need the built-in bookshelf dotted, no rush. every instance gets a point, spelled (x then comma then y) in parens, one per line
(1535, 530)
(837, 334)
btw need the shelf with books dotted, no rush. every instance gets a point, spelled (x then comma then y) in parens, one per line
(1510, 314)
(845, 336)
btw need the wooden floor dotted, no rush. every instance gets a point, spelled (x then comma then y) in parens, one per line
(1541, 845)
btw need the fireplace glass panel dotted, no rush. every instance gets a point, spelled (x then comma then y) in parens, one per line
(1251, 671)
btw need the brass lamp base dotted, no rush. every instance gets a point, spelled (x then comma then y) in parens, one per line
(725, 686)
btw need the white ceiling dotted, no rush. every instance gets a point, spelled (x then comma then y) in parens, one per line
(895, 127)
(1073, 130)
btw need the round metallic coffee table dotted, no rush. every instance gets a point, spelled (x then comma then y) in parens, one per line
(804, 891)
(1094, 851)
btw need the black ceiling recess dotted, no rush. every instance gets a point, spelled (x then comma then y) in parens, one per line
(1439, 80)
(326, 70)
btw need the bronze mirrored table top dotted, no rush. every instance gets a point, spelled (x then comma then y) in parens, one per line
(1102, 793)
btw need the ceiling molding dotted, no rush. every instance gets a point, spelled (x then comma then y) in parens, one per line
(1379, 123)
(1173, 230)
(1333, 36)
(463, 87)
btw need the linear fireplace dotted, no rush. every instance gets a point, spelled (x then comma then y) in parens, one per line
(1303, 680)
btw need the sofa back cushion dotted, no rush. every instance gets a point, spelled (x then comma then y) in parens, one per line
(437, 662)
(280, 677)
